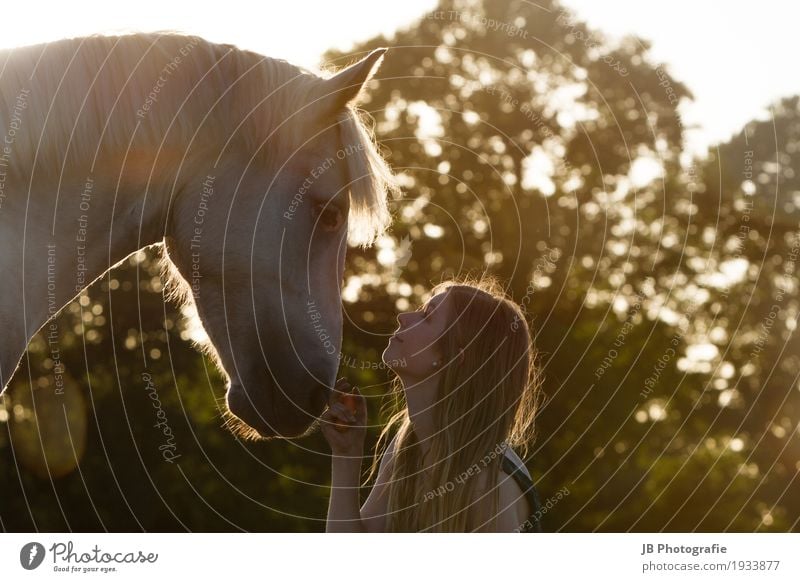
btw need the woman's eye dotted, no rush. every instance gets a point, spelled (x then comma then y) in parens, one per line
(329, 216)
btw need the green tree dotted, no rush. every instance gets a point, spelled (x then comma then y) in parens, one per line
(534, 148)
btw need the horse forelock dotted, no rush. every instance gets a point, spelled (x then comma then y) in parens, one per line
(372, 182)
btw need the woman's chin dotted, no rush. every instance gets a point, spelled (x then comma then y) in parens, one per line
(386, 357)
(391, 358)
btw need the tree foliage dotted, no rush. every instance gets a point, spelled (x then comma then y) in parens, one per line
(662, 291)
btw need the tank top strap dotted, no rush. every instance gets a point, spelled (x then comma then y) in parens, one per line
(514, 467)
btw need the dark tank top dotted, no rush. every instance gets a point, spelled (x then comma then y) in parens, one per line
(512, 465)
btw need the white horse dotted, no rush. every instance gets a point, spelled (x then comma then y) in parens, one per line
(252, 172)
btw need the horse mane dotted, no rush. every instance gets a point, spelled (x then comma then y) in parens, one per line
(74, 99)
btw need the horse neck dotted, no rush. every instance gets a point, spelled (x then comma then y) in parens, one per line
(59, 235)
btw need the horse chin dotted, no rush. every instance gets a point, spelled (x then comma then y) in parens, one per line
(257, 419)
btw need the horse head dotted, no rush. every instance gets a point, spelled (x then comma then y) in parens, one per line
(260, 237)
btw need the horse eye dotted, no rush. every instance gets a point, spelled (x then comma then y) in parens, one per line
(329, 216)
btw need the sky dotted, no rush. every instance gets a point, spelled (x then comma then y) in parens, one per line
(736, 61)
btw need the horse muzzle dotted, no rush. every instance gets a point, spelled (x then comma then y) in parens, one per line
(273, 412)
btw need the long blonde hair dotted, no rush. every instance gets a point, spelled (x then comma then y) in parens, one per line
(486, 399)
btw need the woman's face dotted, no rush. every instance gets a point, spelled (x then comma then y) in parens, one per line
(413, 350)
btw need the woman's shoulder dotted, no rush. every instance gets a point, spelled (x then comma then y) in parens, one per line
(513, 506)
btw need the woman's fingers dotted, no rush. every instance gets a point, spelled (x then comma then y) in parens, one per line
(350, 402)
(331, 422)
(346, 394)
(343, 412)
(341, 388)
(345, 419)
(338, 417)
(356, 403)
(346, 406)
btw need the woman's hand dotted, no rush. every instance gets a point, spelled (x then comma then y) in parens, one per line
(344, 422)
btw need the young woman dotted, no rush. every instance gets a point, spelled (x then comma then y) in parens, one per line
(465, 371)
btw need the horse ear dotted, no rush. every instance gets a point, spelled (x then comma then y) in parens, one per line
(344, 87)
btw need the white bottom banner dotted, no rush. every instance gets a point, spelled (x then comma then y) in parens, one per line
(389, 557)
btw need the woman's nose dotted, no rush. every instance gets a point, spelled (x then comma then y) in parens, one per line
(401, 318)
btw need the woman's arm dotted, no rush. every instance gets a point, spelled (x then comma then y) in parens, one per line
(343, 507)
(343, 510)
(344, 426)
(373, 513)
